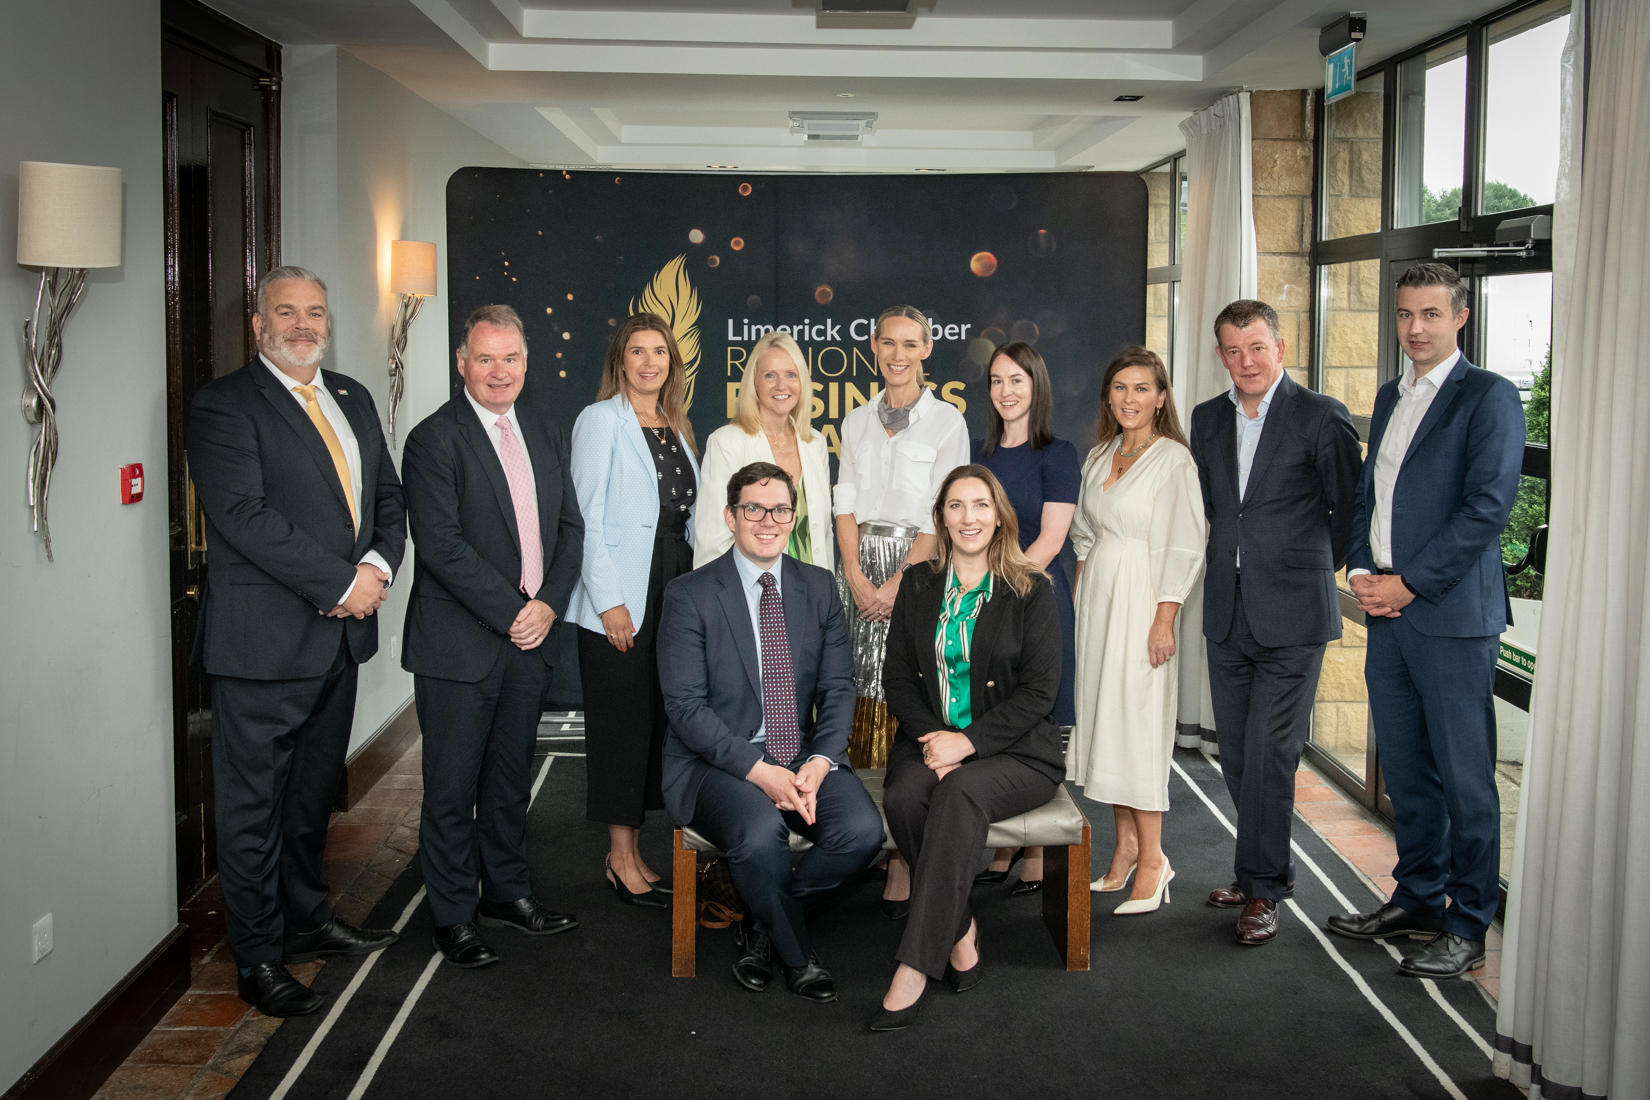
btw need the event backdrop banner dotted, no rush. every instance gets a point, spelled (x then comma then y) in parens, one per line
(1055, 259)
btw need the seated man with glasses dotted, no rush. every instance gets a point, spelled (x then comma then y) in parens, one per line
(757, 673)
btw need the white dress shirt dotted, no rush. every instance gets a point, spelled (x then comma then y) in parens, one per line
(1414, 399)
(750, 579)
(1248, 437)
(894, 478)
(489, 421)
(346, 439)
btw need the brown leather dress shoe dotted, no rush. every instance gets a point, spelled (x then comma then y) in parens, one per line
(1259, 922)
(1233, 897)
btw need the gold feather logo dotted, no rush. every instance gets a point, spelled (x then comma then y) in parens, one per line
(671, 296)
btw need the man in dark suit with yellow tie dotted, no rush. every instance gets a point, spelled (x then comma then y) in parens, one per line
(500, 542)
(305, 525)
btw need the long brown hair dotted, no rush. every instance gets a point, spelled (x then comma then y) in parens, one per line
(1004, 556)
(673, 397)
(1026, 357)
(1167, 422)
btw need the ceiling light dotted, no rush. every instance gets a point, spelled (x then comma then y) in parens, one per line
(845, 95)
(833, 125)
(929, 169)
(721, 166)
(863, 7)
(1128, 99)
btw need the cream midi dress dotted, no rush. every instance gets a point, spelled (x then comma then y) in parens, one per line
(1141, 543)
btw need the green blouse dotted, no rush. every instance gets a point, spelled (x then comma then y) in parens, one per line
(801, 545)
(953, 640)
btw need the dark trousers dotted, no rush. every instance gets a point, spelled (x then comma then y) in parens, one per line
(960, 807)
(478, 755)
(278, 749)
(738, 818)
(1433, 705)
(1262, 699)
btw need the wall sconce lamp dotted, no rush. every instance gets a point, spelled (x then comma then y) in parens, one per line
(68, 220)
(412, 275)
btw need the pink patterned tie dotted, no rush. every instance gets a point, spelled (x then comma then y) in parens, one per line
(784, 740)
(527, 508)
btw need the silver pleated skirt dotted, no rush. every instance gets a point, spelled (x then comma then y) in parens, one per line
(882, 550)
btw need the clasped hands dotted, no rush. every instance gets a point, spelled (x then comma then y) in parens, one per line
(532, 624)
(1382, 595)
(788, 790)
(875, 603)
(945, 750)
(368, 594)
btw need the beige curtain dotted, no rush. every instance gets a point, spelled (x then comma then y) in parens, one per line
(1574, 1014)
(1219, 267)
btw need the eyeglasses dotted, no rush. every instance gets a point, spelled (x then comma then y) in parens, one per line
(756, 513)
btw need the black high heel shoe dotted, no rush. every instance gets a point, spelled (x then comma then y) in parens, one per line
(886, 1020)
(649, 899)
(988, 877)
(961, 981)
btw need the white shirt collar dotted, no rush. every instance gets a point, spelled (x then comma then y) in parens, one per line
(286, 380)
(1265, 402)
(489, 418)
(1436, 375)
(750, 574)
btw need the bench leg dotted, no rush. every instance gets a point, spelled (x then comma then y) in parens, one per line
(684, 917)
(1066, 900)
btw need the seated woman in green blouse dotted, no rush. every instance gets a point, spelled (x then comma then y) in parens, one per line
(971, 674)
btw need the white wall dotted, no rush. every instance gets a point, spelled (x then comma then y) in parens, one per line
(365, 162)
(85, 663)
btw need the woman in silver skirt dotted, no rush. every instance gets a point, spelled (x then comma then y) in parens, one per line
(896, 452)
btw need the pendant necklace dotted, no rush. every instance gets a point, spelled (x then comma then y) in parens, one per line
(1130, 454)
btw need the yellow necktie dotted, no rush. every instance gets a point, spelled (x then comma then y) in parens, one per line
(334, 448)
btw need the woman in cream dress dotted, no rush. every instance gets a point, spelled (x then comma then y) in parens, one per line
(1139, 534)
(770, 424)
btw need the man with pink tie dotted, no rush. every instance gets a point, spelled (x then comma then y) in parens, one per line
(500, 540)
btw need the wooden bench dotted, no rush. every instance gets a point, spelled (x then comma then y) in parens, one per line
(1058, 826)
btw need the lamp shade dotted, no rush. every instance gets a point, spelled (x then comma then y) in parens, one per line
(68, 215)
(412, 267)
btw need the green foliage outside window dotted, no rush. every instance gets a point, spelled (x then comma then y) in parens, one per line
(1530, 508)
(1497, 198)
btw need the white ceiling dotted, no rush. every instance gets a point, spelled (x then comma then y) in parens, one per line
(961, 85)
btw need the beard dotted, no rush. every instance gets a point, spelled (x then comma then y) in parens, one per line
(298, 354)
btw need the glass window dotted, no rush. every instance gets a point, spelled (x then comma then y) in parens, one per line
(1517, 326)
(1185, 188)
(1340, 712)
(1521, 107)
(1158, 320)
(1352, 161)
(1160, 245)
(1432, 135)
(1351, 351)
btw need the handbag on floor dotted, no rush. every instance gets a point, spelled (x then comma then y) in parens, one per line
(719, 903)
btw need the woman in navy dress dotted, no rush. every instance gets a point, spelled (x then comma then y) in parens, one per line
(1042, 476)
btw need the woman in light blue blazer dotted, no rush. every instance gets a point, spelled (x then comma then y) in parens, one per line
(636, 474)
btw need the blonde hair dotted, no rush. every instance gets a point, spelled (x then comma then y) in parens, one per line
(673, 398)
(910, 313)
(747, 415)
(1003, 557)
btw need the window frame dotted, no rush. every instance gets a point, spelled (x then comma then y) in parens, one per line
(1170, 273)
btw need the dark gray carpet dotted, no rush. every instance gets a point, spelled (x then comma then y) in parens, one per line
(1172, 1007)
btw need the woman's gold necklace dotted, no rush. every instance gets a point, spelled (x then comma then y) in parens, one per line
(1130, 454)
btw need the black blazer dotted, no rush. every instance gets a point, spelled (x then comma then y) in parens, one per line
(1013, 675)
(280, 542)
(1294, 524)
(710, 677)
(467, 572)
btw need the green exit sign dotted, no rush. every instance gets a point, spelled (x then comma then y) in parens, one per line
(1340, 73)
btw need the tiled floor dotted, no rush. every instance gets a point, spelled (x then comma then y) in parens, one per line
(201, 1048)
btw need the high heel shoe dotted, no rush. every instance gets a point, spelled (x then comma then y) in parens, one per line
(1099, 885)
(961, 981)
(891, 1020)
(988, 877)
(648, 899)
(1147, 905)
(895, 909)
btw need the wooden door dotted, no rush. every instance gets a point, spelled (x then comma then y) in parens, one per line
(220, 128)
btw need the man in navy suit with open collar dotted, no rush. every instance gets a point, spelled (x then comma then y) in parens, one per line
(499, 543)
(757, 674)
(305, 525)
(1446, 446)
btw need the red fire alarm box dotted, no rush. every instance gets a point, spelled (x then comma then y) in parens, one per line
(131, 483)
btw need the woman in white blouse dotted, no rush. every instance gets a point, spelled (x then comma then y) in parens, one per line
(771, 424)
(1139, 534)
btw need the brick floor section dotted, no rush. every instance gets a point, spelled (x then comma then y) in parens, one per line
(202, 1046)
(1367, 844)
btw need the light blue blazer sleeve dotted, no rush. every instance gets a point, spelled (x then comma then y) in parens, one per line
(618, 491)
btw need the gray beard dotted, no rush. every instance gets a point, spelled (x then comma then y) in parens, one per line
(282, 349)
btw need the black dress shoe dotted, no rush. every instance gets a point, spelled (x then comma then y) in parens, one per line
(660, 886)
(1233, 897)
(526, 914)
(889, 1020)
(1388, 920)
(274, 992)
(335, 937)
(988, 877)
(754, 966)
(1446, 956)
(812, 981)
(895, 910)
(462, 945)
(1026, 886)
(961, 981)
(647, 899)
(1259, 922)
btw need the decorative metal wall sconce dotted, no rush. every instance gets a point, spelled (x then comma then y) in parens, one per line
(412, 275)
(68, 220)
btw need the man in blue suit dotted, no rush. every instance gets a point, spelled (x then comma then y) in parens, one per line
(757, 674)
(1445, 449)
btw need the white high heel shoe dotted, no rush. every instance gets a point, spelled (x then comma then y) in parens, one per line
(1147, 905)
(1099, 886)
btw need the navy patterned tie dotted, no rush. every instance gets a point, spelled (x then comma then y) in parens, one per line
(778, 679)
